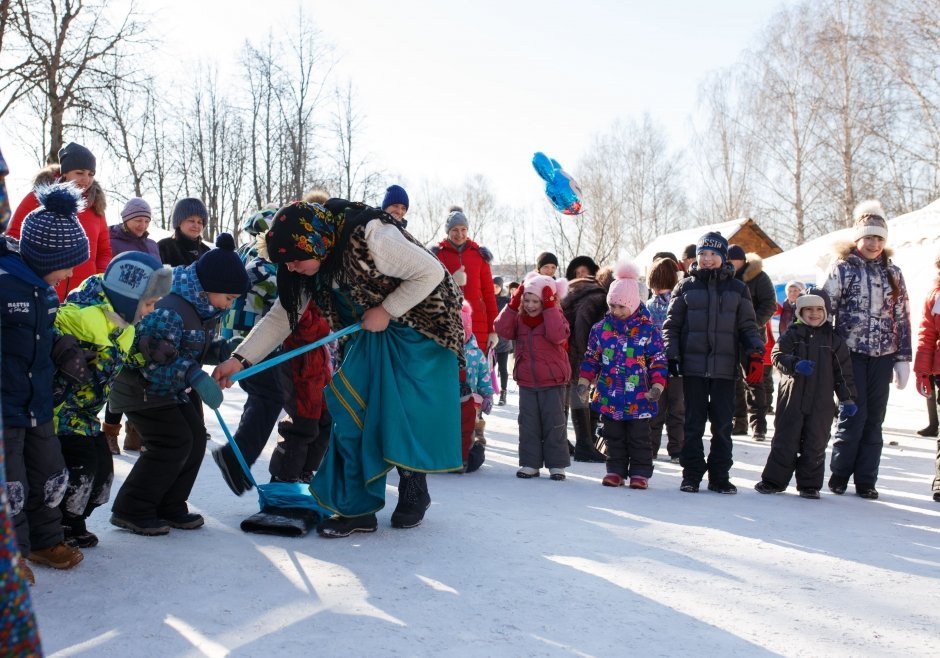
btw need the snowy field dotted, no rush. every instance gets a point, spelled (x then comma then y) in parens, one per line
(510, 567)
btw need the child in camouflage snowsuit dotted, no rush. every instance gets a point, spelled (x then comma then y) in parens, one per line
(98, 318)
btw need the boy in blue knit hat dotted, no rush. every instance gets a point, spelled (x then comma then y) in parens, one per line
(52, 243)
(709, 321)
(97, 322)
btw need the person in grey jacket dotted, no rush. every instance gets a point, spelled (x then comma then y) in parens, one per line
(709, 324)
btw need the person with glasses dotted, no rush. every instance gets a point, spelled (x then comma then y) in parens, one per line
(185, 246)
(131, 234)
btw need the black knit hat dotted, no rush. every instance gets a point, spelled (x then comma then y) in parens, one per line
(74, 156)
(221, 270)
(736, 252)
(52, 237)
(581, 261)
(546, 258)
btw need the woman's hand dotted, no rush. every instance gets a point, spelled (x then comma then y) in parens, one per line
(224, 370)
(376, 319)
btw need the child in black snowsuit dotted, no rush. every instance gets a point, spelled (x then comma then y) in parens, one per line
(814, 361)
(162, 389)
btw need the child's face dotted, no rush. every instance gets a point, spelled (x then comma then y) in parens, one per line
(813, 315)
(57, 276)
(620, 311)
(397, 210)
(191, 227)
(548, 269)
(792, 293)
(146, 308)
(871, 246)
(307, 267)
(221, 300)
(82, 178)
(531, 304)
(138, 226)
(708, 260)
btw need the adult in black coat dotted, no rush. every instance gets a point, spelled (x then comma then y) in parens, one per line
(752, 400)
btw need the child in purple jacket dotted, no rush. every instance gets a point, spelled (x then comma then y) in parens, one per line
(534, 320)
(625, 355)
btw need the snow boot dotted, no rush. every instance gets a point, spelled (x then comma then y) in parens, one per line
(111, 431)
(527, 472)
(723, 487)
(502, 399)
(639, 482)
(478, 427)
(689, 486)
(838, 484)
(147, 527)
(936, 496)
(812, 494)
(188, 521)
(740, 427)
(26, 573)
(76, 533)
(866, 491)
(343, 526)
(556, 474)
(60, 556)
(475, 457)
(232, 471)
(612, 480)
(766, 488)
(132, 440)
(584, 450)
(413, 499)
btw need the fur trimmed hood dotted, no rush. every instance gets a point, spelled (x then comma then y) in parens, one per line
(845, 248)
(95, 198)
(753, 265)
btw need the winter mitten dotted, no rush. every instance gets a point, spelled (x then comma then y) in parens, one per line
(924, 387)
(755, 369)
(72, 361)
(516, 300)
(847, 409)
(674, 368)
(460, 276)
(584, 390)
(487, 405)
(205, 386)
(902, 371)
(549, 298)
(805, 367)
(156, 350)
(655, 392)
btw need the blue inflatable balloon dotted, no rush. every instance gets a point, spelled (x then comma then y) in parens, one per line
(560, 188)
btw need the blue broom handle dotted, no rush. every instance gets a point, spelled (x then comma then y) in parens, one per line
(281, 358)
(235, 449)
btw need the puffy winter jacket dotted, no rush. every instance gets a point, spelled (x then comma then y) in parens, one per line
(478, 290)
(27, 312)
(123, 240)
(541, 350)
(179, 250)
(868, 315)
(626, 356)
(812, 394)
(709, 323)
(99, 243)
(584, 306)
(927, 360)
(761, 288)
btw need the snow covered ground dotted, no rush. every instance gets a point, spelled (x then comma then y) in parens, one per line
(510, 567)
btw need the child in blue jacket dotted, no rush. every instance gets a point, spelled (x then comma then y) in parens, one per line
(625, 356)
(52, 242)
(162, 389)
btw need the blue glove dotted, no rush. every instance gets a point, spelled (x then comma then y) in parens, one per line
(487, 405)
(847, 409)
(205, 386)
(805, 367)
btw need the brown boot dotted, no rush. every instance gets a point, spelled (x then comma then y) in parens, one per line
(131, 437)
(60, 556)
(478, 428)
(26, 572)
(111, 431)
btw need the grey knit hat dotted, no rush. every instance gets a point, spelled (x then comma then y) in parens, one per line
(456, 218)
(134, 208)
(187, 208)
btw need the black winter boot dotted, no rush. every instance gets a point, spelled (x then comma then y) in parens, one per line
(584, 450)
(343, 526)
(231, 470)
(502, 399)
(413, 499)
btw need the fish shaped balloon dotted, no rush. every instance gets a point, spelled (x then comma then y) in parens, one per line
(560, 188)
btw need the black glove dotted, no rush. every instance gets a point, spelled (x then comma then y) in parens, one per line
(156, 350)
(73, 361)
(674, 368)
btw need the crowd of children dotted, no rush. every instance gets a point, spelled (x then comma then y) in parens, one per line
(86, 333)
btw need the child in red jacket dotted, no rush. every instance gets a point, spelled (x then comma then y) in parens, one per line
(542, 369)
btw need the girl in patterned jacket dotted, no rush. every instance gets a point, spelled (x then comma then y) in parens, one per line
(162, 389)
(871, 314)
(476, 394)
(625, 355)
(98, 318)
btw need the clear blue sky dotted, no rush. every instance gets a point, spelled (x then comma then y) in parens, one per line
(454, 89)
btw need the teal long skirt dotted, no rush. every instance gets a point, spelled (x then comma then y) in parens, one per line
(395, 401)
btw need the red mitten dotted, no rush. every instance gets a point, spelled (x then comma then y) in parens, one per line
(549, 298)
(924, 387)
(516, 300)
(755, 369)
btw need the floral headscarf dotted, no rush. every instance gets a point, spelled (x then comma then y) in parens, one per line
(301, 231)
